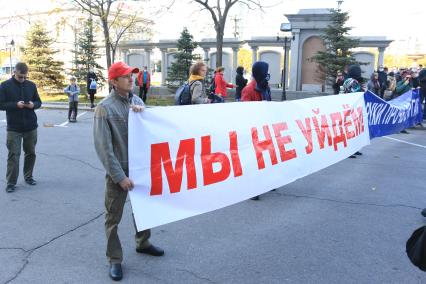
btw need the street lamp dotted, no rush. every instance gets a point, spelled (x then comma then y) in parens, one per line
(12, 44)
(285, 27)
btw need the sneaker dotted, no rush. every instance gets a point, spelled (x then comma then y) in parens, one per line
(30, 181)
(404, 131)
(352, 156)
(358, 153)
(10, 188)
(255, 198)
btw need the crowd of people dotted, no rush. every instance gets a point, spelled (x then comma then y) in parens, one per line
(384, 83)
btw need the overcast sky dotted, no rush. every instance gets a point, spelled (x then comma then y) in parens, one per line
(395, 20)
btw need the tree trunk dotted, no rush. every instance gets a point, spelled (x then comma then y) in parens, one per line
(107, 43)
(219, 47)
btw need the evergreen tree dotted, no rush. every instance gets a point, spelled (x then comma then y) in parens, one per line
(178, 71)
(45, 71)
(337, 44)
(85, 56)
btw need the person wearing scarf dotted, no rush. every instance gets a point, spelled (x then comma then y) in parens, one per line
(196, 80)
(373, 84)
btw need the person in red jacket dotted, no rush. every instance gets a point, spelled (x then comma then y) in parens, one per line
(220, 83)
(144, 82)
(258, 89)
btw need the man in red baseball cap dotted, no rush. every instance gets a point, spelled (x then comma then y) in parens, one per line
(110, 136)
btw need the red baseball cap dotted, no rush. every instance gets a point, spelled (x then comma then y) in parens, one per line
(120, 69)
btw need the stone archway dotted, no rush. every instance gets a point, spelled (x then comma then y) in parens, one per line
(136, 59)
(312, 80)
(273, 58)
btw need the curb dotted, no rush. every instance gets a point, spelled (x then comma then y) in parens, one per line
(64, 106)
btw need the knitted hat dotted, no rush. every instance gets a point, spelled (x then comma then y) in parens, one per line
(354, 71)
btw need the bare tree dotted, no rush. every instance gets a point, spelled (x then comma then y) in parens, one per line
(115, 22)
(219, 11)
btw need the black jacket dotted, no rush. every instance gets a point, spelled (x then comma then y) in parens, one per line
(241, 82)
(90, 76)
(11, 92)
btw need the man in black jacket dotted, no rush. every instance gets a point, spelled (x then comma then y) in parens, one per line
(19, 98)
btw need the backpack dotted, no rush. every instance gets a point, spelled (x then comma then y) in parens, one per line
(93, 84)
(183, 95)
(212, 89)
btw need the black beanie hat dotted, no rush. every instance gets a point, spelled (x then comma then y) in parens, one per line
(354, 71)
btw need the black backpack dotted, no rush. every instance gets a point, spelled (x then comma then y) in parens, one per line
(212, 89)
(183, 95)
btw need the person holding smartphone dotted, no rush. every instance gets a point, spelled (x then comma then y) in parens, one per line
(19, 98)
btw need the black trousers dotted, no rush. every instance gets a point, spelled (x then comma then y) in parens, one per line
(143, 90)
(92, 96)
(72, 110)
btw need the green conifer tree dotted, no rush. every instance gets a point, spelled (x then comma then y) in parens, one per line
(337, 43)
(85, 55)
(179, 70)
(45, 71)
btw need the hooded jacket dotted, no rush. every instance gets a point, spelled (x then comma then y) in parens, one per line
(11, 92)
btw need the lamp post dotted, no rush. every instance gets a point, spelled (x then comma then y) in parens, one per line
(12, 44)
(285, 27)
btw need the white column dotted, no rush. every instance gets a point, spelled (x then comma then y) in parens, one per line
(381, 58)
(206, 55)
(124, 53)
(148, 58)
(294, 62)
(163, 66)
(254, 55)
(234, 62)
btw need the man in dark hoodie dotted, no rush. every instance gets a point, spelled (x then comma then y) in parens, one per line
(19, 98)
(258, 89)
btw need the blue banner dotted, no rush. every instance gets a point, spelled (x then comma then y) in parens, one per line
(389, 117)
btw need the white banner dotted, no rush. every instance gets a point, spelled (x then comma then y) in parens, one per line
(188, 160)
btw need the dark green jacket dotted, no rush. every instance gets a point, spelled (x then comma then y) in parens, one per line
(402, 87)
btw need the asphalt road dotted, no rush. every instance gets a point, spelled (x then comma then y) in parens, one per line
(345, 224)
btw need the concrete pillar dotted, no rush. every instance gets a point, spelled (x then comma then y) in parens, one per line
(294, 62)
(381, 58)
(163, 66)
(234, 62)
(148, 58)
(254, 55)
(206, 55)
(124, 53)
